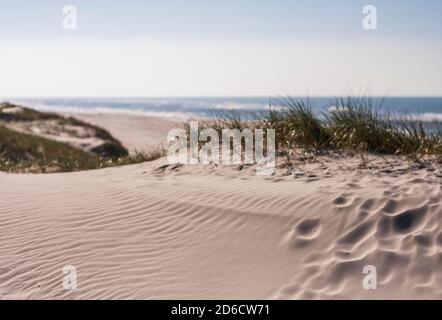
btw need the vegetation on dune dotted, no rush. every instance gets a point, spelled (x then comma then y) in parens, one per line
(362, 125)
(20, 152)
(296, 125)
(358, 124)
(23, 152)
(112, 148)
(355, 124)
(25, 114)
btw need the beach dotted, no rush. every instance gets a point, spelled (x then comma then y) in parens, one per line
(160, 231)
(136, 132)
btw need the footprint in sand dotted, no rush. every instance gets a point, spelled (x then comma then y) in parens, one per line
(390, 206)
(340, 201)
(424, 240)
(403, 223)
(308, 228)
(368, 204)
(306, 231)
(409, 220)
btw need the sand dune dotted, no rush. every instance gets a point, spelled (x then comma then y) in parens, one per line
(154, 230)
(148, 231)
(136, 132)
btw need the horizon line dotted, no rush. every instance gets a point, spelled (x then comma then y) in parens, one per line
(3, 99)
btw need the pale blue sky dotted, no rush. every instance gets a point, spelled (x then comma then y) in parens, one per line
(241, 47)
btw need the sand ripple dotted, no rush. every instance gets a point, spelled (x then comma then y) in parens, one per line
(136, 232)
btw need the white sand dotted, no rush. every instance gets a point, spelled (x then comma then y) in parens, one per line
(135, 132)
(205, 232)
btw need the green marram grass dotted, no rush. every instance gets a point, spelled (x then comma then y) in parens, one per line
(358, 124)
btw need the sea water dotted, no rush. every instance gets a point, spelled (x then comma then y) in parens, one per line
(427, 108)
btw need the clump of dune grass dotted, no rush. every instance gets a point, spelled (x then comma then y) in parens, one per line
(416, 137)
(358, 124)
(296, 125)
(362, 124)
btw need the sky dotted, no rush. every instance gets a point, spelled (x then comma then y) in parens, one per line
(220, 48)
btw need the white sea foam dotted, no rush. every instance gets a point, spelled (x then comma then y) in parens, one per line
(429, 116)
(101, 109)
(169, 108)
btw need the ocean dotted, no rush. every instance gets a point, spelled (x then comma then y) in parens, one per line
(427, 108)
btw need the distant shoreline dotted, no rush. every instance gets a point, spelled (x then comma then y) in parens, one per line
(428, 108)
